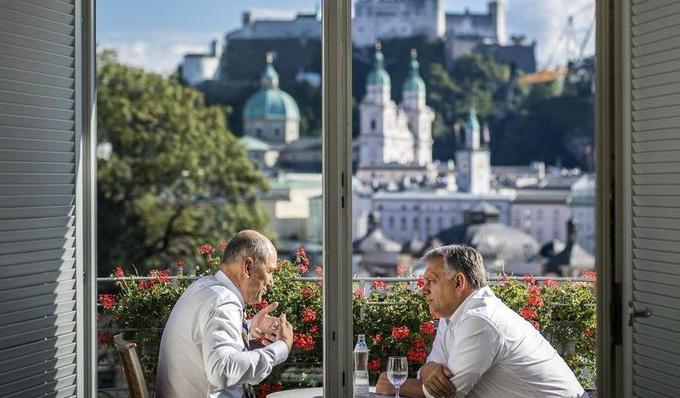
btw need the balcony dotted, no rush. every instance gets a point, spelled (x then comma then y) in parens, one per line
(391, 312)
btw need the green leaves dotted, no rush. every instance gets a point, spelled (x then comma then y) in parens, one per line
(176, 176)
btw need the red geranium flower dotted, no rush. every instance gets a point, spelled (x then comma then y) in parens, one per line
(319, 270)
(377, 338)
(308, 315)
(528, 313)
(420, 283)
(550, 282)
(302, 268)
(359, 293)
(374, 365)
(590, 275)
(206, 249)
(300, 252)
(417, 355)
(314, 329)
(107, 301)
(303, 341)
(535, 300)
(223, 245)
(119, 272)
(308, 292)
(261, 304)
(529, 279)
(400, 333)
(401, 270)
(380, 285)
(180, 263)
(428, 328)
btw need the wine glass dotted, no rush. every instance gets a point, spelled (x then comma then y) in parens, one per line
(397, 372)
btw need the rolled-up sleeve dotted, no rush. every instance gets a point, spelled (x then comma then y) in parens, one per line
(226, 364)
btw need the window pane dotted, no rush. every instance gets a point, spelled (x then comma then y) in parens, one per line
(472, 126)
(209, 124)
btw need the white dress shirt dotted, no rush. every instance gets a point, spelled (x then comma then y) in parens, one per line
(202, 353)
(494, 352)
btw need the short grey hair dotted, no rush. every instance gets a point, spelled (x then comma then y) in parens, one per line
(461, 258)
(246, 244)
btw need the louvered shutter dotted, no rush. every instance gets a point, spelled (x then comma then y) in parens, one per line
(655, 126)
(37, 198)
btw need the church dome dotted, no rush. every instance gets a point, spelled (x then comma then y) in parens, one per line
(414, 82)
(379, 76)
(270, 102)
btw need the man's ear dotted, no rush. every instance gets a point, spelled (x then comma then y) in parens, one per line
(460, 280)
(248, 265)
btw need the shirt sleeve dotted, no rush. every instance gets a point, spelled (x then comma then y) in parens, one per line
(226, 364)
(473, 350)
(437, 353)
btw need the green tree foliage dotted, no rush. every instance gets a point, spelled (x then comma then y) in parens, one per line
(176, 176)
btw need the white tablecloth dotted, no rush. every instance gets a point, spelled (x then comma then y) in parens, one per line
(314, 393)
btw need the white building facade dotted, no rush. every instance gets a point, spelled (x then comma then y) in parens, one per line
(389, 19)
(408, 215)
(394, 136)
(541, 213)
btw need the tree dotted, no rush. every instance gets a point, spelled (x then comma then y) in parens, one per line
(176, 177)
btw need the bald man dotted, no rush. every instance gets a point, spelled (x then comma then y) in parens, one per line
(205, 346)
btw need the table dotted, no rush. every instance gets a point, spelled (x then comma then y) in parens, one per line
(315, 393)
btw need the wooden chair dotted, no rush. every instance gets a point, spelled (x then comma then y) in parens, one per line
(132, 367)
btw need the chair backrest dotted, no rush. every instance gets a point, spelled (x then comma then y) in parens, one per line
(132, 367)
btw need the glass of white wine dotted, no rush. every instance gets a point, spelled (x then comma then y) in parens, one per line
(397, 372)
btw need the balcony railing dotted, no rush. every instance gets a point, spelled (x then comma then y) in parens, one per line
(112, 382)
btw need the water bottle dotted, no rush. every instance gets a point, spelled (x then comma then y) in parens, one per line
(361, 367)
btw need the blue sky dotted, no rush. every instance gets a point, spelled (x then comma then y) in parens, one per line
(154, 34)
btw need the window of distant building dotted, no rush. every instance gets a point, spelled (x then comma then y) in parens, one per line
(390, 222)
(373, 124)
(276, 132)
(258, 132)
(403, 223)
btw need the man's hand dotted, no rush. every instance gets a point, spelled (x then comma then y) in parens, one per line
(285, 332)
(383, 386)
(435, 378)
(263, 327)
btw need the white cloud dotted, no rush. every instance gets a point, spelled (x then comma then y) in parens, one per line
(158, 52)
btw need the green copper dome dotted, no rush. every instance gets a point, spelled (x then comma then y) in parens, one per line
(378, 76)
(472, 122)
(270, 102)
(414, 82)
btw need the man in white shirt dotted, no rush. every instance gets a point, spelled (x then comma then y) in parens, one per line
(482, 347)
(204, 349)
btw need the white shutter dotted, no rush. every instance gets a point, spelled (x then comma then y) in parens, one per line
(654, 106)
(38, 277)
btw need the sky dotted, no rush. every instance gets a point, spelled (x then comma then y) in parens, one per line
(155, 34)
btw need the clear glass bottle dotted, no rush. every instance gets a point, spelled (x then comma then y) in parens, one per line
(361, 367)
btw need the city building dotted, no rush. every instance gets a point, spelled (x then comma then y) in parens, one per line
(504, 248)
(259, 152)
(197, 68)
(473, 162)
(583, 211)
(271, 114)
(406, 215)
(389, 19)
(541, 213)
(392, 137)
(465, 31)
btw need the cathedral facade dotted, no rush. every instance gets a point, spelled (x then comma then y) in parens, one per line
(394, 136)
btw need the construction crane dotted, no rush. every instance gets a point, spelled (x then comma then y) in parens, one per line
(574, 51)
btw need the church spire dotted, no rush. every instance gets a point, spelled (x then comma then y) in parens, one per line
(472, 132)
(414, 82)
(378, 76)
(270, 78)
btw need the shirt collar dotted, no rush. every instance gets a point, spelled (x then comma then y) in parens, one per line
(453, 319)
(229, 284)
